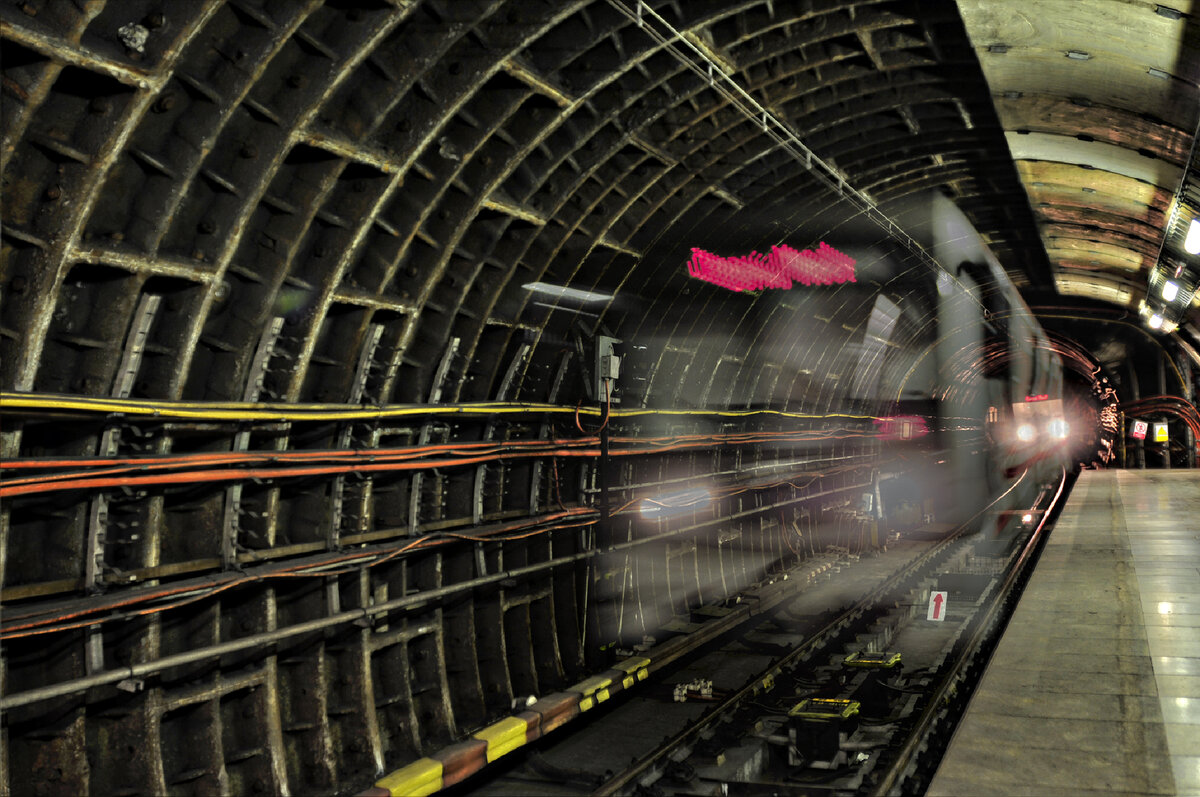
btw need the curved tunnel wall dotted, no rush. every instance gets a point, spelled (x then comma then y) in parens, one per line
(344, 203)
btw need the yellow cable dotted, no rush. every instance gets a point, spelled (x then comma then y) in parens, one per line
(233, 411)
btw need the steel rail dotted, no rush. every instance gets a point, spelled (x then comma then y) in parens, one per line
(916, 737)
(809, 646)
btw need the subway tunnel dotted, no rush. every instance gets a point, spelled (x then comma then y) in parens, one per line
(375, 369)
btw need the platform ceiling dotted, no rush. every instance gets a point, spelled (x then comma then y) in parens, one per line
(1098, 101)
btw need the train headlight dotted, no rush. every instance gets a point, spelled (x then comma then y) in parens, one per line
(1059, 429)
(1026, 433)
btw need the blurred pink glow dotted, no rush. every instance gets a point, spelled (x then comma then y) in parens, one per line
(778, 269)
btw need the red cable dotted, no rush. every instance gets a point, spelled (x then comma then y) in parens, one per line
(58, 482)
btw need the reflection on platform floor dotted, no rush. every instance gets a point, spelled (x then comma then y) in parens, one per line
(1095, 686)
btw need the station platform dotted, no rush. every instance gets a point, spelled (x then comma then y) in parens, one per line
(1094, 688)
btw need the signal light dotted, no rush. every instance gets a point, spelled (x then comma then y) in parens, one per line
(1026, 432)
(1059, 429)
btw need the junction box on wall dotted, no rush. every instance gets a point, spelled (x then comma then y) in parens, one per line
(607, 368)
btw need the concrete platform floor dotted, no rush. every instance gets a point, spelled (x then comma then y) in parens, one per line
(1095, 686)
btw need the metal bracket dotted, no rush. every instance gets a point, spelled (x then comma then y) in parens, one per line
(435, 395)
(489, 431)
(131, 360)
(241, 440)
(110, 439)
(131, 685)
(544, 431)
(366, 360)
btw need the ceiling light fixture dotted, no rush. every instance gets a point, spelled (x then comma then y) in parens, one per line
(1169, 291)
(564, 293)
(1191, 244)
(1078, 55)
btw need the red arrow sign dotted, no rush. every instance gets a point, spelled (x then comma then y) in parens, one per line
(936, 601)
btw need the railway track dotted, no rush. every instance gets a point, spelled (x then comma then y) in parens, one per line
(845, 687)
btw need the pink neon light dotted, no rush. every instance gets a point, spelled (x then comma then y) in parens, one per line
(782, 267)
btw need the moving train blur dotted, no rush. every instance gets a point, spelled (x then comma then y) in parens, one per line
(387, 384)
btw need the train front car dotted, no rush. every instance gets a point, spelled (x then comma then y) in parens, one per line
(1000, 419)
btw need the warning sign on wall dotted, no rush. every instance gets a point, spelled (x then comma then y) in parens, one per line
(1160, 433)
(1138, 432)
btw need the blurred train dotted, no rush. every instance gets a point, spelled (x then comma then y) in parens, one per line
(933, 343)
(997, 381)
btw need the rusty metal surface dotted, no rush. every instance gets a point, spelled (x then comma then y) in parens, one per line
(1089, 76)
(1125, 128)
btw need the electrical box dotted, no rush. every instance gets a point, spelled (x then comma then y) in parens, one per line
(817, 729)
(869, 660)
(607, 368)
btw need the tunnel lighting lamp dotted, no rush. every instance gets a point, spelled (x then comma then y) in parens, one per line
(1156, 321)
(1027, 517)
(1191, 244)
(1169, 291)
(564, 293)
(1026, 432)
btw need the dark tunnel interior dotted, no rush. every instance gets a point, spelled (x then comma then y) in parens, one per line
(371, 366)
